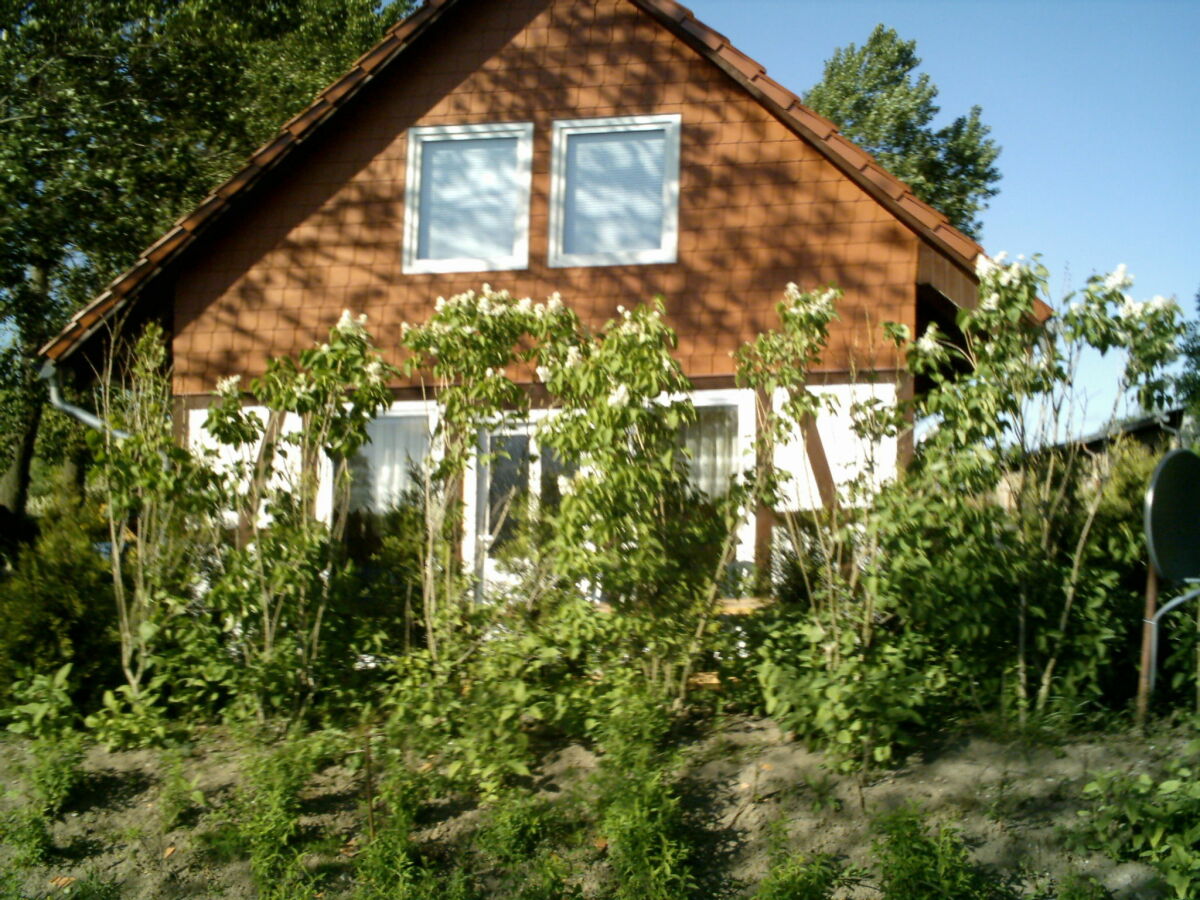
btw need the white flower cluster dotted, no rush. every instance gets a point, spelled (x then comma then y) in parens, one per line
(489, 302)
(1132, 309)
(228, 387)
(351, 325)
(817, 304)
(642, 327)
(929, 343)
(1118, 279)
(619, 397)
(995, 269)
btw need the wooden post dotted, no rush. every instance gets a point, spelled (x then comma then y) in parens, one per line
(1143, 691)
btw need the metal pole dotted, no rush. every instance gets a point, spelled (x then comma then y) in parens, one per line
(1152, 626)
(1145, 676)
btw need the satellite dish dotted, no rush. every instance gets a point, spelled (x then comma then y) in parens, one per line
(1173, 516)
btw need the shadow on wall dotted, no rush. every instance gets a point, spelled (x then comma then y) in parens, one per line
(758, 206)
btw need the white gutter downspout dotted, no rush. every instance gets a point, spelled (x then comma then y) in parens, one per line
(49, 374)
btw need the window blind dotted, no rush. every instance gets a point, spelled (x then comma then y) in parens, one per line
(470, 198)
(614, 191)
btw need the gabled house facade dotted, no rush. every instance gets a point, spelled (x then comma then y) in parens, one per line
(607, 150)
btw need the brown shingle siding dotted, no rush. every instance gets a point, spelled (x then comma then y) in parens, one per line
(759, 205)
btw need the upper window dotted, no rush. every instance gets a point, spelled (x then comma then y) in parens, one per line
(467, 198)
(614, 193)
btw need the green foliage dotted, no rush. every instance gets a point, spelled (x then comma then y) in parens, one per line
(129, 721)
(641, 819)
(799, 878)
(857, 702)
(179, 797)
(42, 707)
(26, 831)
(160, 504)
(56, 601)
(118, 117)
(274, 589)
(1189, 378)
(878, 101)
(1081, 887)
(55, 770)
(93, 887)
(266, 815)
(1149, 819)
(517, 824)
(386, 867)
(914, 864)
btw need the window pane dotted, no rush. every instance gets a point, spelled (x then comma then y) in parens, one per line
(553, 468)
(469, 198)
(712, 442)
(508, 484)
(614, 192)
(384, 468)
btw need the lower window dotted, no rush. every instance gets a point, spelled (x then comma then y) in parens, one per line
(389, 465)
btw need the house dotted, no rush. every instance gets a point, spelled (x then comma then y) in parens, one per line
(609, 150)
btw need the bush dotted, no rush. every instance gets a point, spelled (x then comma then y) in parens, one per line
(798, 878)
(1156, 821)
(56, 603)
(641, 819)
(916, 865)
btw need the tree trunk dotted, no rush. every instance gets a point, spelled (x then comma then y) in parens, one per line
(14, 483)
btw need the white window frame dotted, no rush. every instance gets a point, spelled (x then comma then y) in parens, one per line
(667, 251)
(744, 401)
(421, 135)
(476, 547)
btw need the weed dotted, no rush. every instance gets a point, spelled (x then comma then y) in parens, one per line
(1137, 817)
(641, 820)
(824, 793)
(179, 798)
(93, 887)
(26, 831)
(267, 810)
(915, 865)
(222, 843)
(385, 868)
(55, 771)
(798, 878)
(1081, 887)
(516, 826)
(547, 879)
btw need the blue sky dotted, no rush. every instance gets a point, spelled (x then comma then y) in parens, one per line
(1096, 104)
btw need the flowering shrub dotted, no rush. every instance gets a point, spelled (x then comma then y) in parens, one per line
(274, 587)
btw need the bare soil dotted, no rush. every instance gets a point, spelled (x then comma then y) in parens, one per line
(744, 786)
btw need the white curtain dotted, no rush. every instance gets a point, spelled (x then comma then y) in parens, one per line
(384, 468)
(712, 442)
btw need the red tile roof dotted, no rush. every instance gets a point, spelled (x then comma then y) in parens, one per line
(856, 164)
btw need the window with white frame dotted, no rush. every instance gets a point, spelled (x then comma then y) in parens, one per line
(390, 464)
(614, 191)
(519, 473)
(467, 198)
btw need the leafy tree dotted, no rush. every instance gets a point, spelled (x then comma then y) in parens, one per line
(116, 116)
(1189, 379)
(876, 97)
